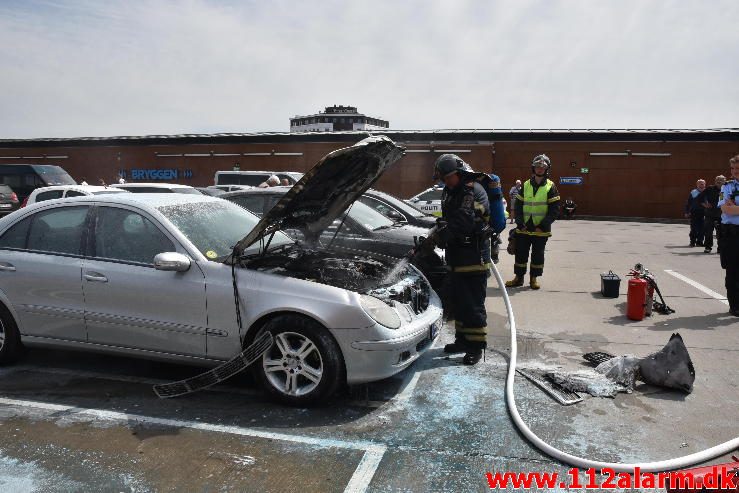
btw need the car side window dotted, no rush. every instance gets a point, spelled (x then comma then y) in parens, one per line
(15, 237)
(58, 230)
(50, 195)
(254, 204)
(378, 206)
(74, 193)
(125, 235)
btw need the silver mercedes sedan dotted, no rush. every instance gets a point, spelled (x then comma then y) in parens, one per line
(156, 275)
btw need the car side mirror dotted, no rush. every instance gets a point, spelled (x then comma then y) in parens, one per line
(171, 261)
(393, 214)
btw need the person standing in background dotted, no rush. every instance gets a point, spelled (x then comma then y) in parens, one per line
(512, 194)
(729, 239)
(709, 201)
(694, 210)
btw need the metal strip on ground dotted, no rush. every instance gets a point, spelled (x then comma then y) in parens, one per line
(556, 391)
(358, 483)
(699, 286)
(223, 372)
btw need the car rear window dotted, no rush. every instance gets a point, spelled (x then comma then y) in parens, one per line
(58, 230)
(50, 195)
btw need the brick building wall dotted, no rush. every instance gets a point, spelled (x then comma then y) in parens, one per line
(616, 185)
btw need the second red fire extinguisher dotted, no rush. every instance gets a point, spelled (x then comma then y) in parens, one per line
(636, 299)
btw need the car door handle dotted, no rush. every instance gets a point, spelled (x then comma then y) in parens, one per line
(7, 266)
(95, 277)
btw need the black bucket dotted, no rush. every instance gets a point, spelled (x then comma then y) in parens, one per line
(610, 283)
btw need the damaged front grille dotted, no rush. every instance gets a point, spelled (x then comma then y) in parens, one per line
(411, 291)
(416, 298)
(391, 283)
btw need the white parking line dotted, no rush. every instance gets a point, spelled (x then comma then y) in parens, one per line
(698, 286)
(358, 483)
(124, 378)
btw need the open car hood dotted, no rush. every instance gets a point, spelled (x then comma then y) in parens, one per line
(327, 190)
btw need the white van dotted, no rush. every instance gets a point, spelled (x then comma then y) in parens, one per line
(254, 178)
(64, 191)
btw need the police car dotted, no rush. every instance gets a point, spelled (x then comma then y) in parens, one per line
(428, 201)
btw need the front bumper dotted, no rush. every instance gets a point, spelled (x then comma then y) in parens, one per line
(371, 360)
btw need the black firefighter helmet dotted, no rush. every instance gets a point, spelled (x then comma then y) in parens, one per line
(447, 164)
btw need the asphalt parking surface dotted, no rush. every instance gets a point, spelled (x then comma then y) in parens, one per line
(80, 422)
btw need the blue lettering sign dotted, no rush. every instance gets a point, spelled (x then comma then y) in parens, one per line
(156, 174)
(570, 180)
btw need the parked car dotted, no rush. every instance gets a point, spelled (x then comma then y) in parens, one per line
(210, 191)
(65, 191)
(8, 200)
(361, 228)
(155, 276)
(157, 188)
(25, 178)
(254, 178)
(395, 209)
(428, 201)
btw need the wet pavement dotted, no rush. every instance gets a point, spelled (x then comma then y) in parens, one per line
(80, 422)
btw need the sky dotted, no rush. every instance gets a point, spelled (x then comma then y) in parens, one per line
(92, 68)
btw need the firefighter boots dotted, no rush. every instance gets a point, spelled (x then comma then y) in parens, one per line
(455, 347)
(515, 282)
(533, 283)
(472, 356)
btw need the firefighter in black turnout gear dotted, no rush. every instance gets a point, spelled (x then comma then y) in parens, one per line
(465, 234)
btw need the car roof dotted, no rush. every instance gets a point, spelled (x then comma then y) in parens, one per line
(251, 172)
(143, 200)
(277, 190)
(155, 185)
(86, 188)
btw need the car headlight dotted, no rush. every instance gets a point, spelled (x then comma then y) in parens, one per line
(379, 311)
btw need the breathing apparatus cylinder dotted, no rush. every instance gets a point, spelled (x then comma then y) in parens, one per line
(636, 298)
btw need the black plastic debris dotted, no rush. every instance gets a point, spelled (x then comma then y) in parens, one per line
(670, 367)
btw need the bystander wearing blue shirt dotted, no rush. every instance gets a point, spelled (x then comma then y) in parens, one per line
(728, 191)
(729, 240)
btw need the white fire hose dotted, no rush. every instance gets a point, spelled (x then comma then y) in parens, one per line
(664, 465)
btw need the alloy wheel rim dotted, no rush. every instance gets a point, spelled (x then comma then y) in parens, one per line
(293, 365)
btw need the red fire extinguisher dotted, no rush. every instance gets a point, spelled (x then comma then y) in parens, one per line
(636, 299)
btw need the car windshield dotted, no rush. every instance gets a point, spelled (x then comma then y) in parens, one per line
(106, 192)
(53, 175)
(368, 217)
(215, 227)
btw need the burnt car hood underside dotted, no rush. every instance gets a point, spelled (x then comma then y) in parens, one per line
(327, 190)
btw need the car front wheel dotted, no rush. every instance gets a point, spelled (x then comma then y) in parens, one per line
(10, 346)
(304, 365)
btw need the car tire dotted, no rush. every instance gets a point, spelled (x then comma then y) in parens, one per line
(299, 378)
(10, 343)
